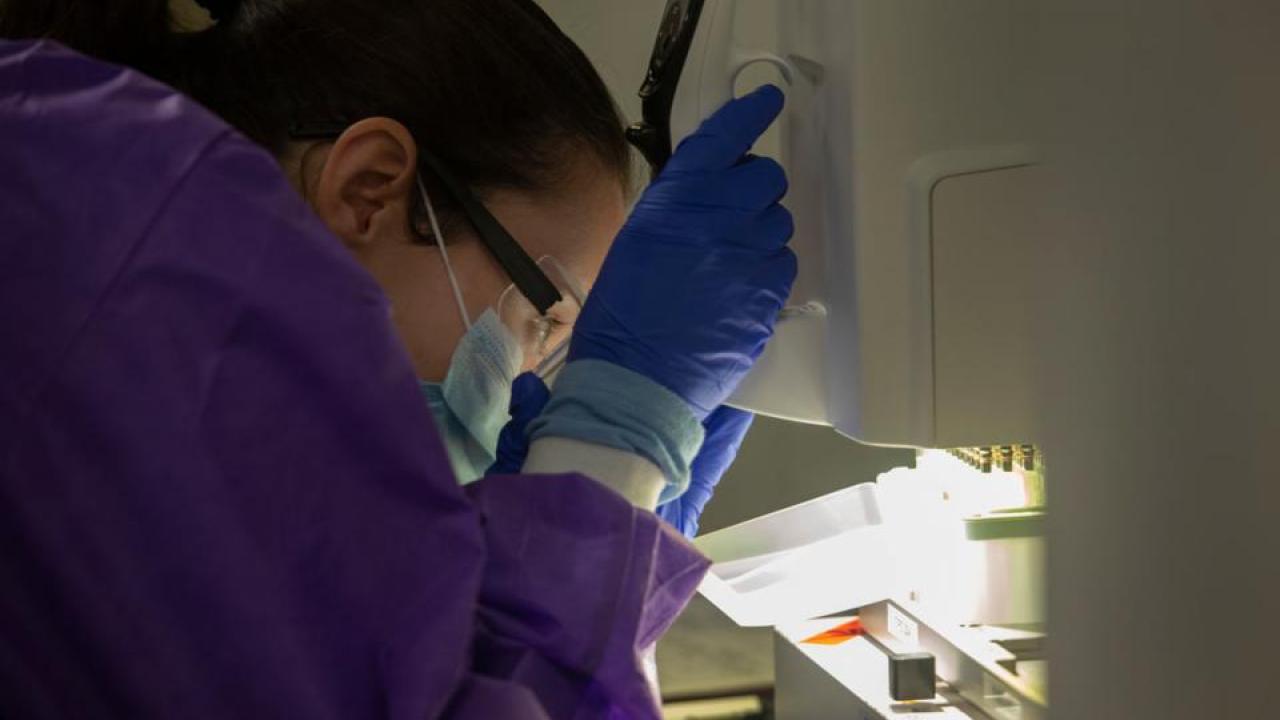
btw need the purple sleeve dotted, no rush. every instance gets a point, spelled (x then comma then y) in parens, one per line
(220, 492)
(576, 583)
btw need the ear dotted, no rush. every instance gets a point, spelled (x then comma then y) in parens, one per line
(363, 192)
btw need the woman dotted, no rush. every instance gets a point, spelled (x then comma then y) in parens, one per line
(217, 498)
(542, 146)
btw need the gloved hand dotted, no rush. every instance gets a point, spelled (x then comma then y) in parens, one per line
(528, 396)
(691, 288)
(726, 427)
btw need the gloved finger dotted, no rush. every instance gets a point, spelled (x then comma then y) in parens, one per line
(729, 133)
(754, 183)
(771, 230)
(776, 276)
(529, 394)
(763, 179)
(789, 266)
(680, 515)
(773, 277)
(725, 429)
(513, 447)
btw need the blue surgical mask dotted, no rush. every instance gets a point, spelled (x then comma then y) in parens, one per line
(471, 405)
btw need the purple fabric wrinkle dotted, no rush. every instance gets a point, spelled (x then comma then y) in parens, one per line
(220, 492)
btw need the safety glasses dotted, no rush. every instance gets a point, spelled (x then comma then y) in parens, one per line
(543, 337)
(525, 274)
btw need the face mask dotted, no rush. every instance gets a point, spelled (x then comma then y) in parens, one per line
(471, 405)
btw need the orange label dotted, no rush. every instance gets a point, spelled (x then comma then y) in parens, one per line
(837, 634)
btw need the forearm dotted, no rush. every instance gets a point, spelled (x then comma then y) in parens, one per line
(617, 427)
(626, 473)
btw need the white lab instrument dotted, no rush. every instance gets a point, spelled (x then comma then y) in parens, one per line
(910, 149)
(1031, 231)
(911, 154)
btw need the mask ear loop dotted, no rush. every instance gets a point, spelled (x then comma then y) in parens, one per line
(444, 253)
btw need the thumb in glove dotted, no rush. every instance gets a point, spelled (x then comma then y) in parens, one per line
(529, 395)
(725, 429)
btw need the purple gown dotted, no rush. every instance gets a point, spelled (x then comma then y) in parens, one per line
(221, 494)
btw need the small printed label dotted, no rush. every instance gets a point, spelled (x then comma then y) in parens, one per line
(903, 627)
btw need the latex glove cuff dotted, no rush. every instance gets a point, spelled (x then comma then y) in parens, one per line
(601, 403)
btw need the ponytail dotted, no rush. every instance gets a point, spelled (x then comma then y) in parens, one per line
(493, 87)
(202, 62)
(136, 33)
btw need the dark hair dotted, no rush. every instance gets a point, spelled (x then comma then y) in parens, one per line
(494, 89)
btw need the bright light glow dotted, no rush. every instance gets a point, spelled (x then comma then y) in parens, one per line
(972, 491)
(901, 537)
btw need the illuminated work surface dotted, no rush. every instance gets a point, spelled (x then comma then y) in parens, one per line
(845, 680)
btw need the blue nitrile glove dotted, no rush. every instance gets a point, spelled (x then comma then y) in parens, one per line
(726, 427)
(528, 396)
(691, 288)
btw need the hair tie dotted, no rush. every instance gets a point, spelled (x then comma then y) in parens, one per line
(219, 9)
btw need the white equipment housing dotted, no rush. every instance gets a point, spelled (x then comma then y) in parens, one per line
(911, 168)
(1114, 304)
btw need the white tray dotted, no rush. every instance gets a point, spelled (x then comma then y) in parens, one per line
(816, 558)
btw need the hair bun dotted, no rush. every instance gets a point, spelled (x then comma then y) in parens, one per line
(219, 9)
